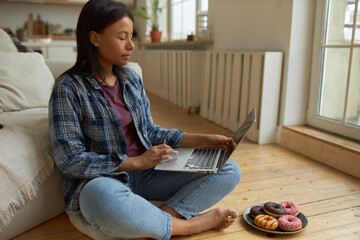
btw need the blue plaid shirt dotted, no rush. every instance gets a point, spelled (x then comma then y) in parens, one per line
(86, 134)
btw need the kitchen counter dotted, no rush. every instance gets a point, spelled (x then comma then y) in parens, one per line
(48, 42)
(59, 50)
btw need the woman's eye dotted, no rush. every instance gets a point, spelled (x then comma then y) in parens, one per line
(122, 36)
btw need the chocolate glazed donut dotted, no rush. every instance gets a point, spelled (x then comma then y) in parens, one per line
(256, 210)
(274, 209)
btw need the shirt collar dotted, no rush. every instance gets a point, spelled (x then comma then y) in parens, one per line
(95, 84)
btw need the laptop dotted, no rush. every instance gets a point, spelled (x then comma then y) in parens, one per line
(205, 160)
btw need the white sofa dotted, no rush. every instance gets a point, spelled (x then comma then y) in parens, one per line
(24, 136)
(43, 201)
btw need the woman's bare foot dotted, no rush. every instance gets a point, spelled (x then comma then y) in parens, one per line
(219, 218)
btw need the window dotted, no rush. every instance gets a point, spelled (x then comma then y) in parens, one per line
(183, 18)
(335, 91)
(180, 18)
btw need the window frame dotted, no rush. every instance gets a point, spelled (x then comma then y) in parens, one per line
(313, 119)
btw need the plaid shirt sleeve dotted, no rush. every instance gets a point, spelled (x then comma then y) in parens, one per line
(72, 157)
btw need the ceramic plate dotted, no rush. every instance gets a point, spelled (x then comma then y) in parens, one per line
(250, 221)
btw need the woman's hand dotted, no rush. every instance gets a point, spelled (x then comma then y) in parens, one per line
(217, 141)
(149, 159)
(207, 141)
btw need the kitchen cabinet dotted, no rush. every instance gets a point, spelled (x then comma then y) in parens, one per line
(55, 50)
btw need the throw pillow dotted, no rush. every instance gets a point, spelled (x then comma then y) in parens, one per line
(25, 81)
(6, 44)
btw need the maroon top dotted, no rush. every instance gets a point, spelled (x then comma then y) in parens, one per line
(116, 101)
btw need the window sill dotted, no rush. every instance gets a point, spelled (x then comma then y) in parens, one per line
(179, 44)
(333, 150)
(333, 139)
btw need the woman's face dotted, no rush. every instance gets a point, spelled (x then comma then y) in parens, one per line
(114, 43)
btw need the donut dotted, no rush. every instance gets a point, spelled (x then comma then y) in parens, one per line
(256, 210)
(290, 223)
(291, 208)
(266, 221)
(274, 209)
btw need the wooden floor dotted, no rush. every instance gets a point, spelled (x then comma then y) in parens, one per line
(329, 198)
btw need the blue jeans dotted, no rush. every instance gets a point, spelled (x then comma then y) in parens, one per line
(122, 209)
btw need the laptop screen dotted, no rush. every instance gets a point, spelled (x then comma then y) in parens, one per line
(239, 135)
(245, 126)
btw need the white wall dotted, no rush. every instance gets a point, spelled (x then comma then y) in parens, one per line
(296, 80)
(250, 25)
(271, 25)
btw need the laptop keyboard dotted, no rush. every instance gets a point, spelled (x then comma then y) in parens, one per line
(201, 158)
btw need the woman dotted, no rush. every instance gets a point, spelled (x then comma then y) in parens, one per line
(106, 145)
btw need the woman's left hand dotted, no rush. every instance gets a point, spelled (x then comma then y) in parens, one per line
(219, 141)
(208, 141)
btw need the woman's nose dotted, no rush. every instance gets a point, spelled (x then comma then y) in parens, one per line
(130, 45)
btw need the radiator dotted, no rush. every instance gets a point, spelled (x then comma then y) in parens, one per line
(226, 85)
(173, 75)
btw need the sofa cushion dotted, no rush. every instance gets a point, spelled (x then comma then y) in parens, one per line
(25, 81)
(136, 67)
(6, 43)
(58, 67)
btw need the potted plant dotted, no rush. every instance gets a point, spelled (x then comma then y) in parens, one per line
(153, 17)
(68, 32)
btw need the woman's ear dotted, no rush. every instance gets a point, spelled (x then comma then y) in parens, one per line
(94, 38)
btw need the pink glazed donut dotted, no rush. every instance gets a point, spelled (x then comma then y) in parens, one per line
(289, 223)
(291, 208)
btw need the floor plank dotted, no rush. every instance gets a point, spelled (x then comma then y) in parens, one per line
(329, 198)
(56, 228)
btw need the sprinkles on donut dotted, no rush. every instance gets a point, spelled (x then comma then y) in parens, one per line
(291, 208)
(290, 223)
